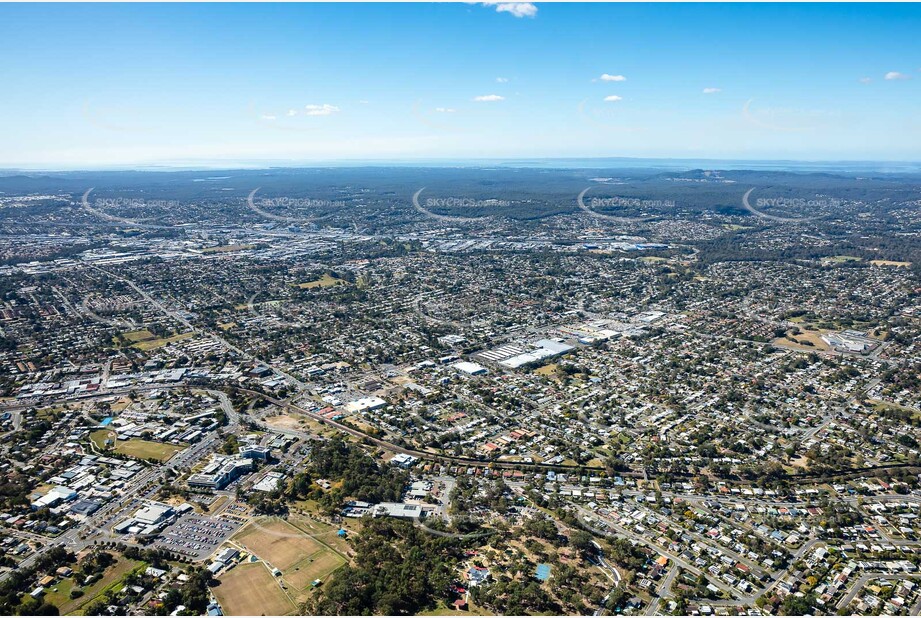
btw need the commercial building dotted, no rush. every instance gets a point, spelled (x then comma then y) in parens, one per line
(221, 472)
(469, 368)
(365, 404)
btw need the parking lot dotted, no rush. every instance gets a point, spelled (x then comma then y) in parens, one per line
(196, 536)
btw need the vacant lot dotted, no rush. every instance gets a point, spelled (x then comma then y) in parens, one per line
(159, 343)
(323, 282)
(139, 335)
(890, 263)
(250, 590)
(144, 449)
(802, 341)
(547, 370)
(278, 543)
(299, 421)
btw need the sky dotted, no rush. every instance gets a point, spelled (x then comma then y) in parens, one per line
(114, 85)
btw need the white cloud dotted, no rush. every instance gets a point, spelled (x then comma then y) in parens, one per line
(501, 80)
(613, 98)
(712, 90)
(267, 117)
(292, 112)
(606, 77)
(364, 102)
(518, 9)
(445, 110)
(321, 110)
(891, 75)
(489, 98)
(865, 80)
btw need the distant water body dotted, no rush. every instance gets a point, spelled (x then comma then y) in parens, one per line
(669, 165)
(597, 163)
(686, 164)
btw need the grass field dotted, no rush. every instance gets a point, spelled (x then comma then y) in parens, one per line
(300, 558)
(317, 566)
(299, 421)
(59, 594)
(278, 543)
(890, 263)
(152, 344)
(139, 335)
(444, 610)
(250, 590)
(100, 436)
(813, 337)
(323, 282)
(547, 370)
(144, 449)
(111, 579)
(883, 406)
(326, 533)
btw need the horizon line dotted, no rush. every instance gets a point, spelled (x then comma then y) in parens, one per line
(584, 163)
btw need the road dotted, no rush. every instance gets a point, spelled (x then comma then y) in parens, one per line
(862, 581)
(628, 534)
(663, 590)
(185, 322)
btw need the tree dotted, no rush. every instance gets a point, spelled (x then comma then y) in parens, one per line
(582, 541)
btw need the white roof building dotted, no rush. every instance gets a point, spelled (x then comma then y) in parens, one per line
(469, 368)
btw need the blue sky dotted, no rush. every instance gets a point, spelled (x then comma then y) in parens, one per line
(111, 84)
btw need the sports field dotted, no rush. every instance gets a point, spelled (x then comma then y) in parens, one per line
(144, 449)
(250, 590)
(291, 549)
(317, 566)
(277, 542)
